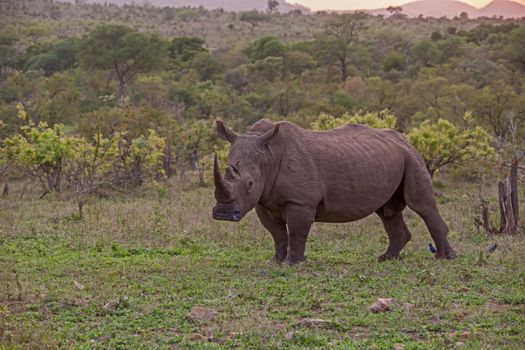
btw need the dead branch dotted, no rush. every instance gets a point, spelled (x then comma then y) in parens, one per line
(508, 204)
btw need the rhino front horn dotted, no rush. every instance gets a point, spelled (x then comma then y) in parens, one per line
(222, 191)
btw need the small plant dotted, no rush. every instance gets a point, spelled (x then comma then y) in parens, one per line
(89, 167)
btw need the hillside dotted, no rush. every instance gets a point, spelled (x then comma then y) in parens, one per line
(453, 8)
(505, 8)
(437, 8)
(228, 5)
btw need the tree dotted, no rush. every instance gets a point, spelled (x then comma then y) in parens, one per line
(382, 94)
(425, 53)
(436, 36)
(5, 162)
(198, 140)
(442, 143)
(123, 50)
(494, 104)
(394, 10)
(272, 5)
(394, 61)
(236, 79)
(268, 69)
(57, 99)
(206, 65)
(53, 58)
(253, 17)
(515, 50)
(449, 48)
(8, 52)
(296, 62)
(341, 33)
(268, 46)
(185, 48)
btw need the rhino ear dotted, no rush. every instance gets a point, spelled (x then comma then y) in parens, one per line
(268, 136)
(224, 132)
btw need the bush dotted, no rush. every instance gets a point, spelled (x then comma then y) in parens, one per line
(377, 120)
(442, 143)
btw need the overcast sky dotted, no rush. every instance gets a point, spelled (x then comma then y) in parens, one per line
(369, 4)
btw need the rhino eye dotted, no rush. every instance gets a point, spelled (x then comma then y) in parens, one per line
(232, 173)
(236, 171)
(229, 176)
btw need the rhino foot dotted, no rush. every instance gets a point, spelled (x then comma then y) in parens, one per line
(451, 254)
(387, 256)
(294, 260)
(279, 259)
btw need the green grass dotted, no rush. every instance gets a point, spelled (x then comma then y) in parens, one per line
(166, 255)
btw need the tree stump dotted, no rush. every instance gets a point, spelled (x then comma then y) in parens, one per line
(508, 204)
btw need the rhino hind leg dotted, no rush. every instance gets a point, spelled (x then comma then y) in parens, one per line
(398, 233)
(419, 196)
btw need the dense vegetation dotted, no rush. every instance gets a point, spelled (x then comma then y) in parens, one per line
(114, 106)
(94, 72)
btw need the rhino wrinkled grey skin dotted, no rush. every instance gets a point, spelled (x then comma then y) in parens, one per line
(294, 177)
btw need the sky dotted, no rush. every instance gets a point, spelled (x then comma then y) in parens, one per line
(369, 4)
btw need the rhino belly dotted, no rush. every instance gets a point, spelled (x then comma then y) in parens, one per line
(352, 191)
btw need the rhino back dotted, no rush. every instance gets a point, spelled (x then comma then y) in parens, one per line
(345, 173)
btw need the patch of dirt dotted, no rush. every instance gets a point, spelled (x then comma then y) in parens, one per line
(201, 314)
(290, 335)
(496, 307)
(358, 333)
(197, 337)
(312, 322)
(81, 301)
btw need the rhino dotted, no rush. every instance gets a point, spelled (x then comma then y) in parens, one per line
(294, 177)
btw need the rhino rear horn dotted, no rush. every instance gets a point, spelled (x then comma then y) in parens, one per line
(222, 191)
(224, 132)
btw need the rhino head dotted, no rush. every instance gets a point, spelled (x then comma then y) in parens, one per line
(241, 187)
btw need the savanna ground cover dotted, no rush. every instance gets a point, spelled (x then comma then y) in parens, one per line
(128, 274)
(100, 252)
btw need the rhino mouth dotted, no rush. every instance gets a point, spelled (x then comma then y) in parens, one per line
(220, 214)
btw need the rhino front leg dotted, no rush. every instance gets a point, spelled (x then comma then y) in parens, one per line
(299, 220)
(277, 228)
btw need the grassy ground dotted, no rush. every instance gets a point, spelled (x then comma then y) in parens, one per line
(145, 261)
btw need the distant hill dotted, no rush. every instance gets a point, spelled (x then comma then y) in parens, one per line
(505, 8)
(228, 5)
(452, 8)
(426, 8)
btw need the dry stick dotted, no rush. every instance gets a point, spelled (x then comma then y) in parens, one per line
(27, 185)
(514, 189)
(513, 177)
(511, 226)
(485, 212)
(502, 198)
